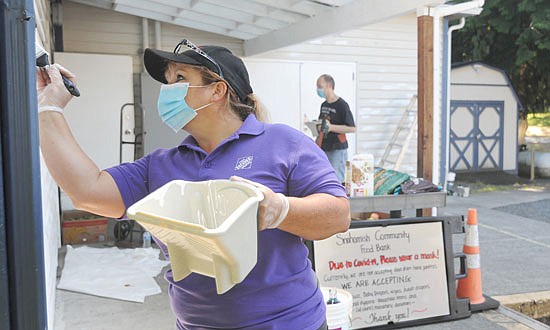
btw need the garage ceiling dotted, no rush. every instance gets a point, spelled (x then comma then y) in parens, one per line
(242, 19)
(264, 24)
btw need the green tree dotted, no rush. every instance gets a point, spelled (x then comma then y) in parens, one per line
(513, 35)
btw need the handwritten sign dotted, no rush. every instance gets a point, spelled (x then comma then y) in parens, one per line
(395, 273)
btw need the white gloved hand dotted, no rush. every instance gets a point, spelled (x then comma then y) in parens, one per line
(52, 93)
(273, 209)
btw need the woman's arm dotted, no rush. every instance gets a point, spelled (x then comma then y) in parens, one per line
(317, 216)
(89, 188)
(313, 217)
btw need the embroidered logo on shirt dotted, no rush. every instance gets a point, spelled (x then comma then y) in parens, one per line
(244, 163)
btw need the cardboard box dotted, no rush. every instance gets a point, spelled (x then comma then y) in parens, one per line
(79, 227)
(370, 215)
(359, 179)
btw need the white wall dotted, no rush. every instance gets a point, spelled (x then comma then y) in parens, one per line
(385, 54)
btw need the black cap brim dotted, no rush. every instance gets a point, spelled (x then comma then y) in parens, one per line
(155, 62)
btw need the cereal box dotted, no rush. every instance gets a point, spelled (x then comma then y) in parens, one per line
(81, 227)
(359, 179)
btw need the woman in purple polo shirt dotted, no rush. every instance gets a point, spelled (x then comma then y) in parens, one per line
(206, 91)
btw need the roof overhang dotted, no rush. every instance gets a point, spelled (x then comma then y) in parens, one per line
(353, 15)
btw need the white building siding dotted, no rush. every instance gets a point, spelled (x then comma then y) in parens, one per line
(98, 31)
(386, 58)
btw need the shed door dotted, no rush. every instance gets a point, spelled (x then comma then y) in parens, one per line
(476, 135)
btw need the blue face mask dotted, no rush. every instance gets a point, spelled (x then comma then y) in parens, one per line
(321, 93)
(173, 110)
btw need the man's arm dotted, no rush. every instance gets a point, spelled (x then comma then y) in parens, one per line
(340, 129)
(346, 117)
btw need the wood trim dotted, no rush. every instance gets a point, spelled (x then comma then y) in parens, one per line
(425, 100)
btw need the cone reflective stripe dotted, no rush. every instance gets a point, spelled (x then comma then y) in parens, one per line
(471, 241)
(470, 286)
(473, 261)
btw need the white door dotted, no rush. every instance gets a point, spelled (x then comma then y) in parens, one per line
(289, 89)
(95, 116)
(277, 85)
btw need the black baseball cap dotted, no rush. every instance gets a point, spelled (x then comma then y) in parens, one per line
(218, 59)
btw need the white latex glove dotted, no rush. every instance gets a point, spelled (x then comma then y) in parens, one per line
(52, 94)
(273, 209)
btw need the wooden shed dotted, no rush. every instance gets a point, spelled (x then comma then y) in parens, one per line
(484, 113)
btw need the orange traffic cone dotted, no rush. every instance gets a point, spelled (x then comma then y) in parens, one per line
(470, 286)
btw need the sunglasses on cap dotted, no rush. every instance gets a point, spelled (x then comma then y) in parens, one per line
(179, 49)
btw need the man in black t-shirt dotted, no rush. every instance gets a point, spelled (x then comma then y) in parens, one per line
(339, 121)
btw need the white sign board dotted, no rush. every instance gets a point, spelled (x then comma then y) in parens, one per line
(395, 273)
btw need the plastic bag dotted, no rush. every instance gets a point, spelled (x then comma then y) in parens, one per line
(418, 185)
(386, 181)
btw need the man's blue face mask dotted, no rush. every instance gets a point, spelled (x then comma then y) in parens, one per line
(321, 93)
(173, 110)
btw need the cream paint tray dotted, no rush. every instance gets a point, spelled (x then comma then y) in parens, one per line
(209, 227)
